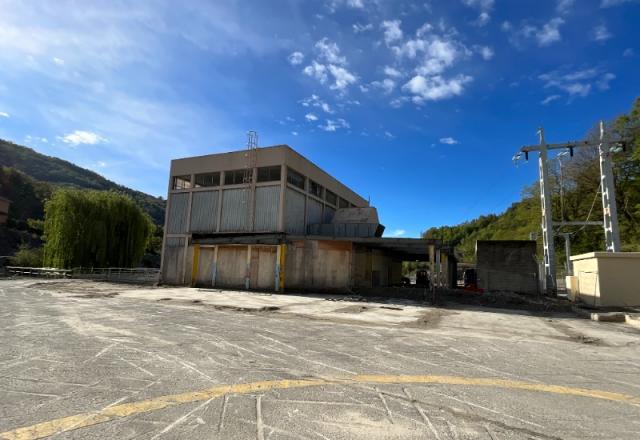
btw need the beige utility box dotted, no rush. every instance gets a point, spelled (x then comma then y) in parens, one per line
(606, 279)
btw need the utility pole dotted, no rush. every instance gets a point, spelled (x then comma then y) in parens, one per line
(609, 208)
(610, 223)
(547, 220)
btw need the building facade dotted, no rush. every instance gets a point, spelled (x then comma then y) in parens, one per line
(268, 218)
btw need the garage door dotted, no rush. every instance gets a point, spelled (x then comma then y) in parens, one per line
(231, 267)
(205, 267)
(263, 267)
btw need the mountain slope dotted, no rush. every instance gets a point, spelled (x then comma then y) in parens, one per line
(58, 172)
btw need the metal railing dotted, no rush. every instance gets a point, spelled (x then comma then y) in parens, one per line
(112, 274)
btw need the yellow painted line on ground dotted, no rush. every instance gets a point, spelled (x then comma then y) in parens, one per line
(70, 423)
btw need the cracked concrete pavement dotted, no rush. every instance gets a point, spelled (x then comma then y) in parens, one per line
(95, 360)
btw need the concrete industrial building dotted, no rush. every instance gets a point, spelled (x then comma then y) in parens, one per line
(268, 218)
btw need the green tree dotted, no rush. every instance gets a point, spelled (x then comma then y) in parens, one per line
(94, 229)
(27, 257)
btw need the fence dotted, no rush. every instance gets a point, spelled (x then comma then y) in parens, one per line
(112, 274)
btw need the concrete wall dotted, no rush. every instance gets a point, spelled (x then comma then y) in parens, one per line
(607, 279)
(318, 265)
(507, 265)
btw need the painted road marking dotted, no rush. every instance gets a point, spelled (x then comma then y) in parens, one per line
(45, 429)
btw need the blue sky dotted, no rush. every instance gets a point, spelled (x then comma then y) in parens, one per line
(418, 105)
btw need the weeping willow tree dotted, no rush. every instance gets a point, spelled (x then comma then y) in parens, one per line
(94, 229)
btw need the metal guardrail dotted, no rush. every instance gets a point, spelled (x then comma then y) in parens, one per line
(39, 272)
(112, 274)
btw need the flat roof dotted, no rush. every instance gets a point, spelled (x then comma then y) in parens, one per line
(267, 156)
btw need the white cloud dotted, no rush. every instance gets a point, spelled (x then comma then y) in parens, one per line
(333, 125)
(434, 50)
(579, 83)
(330, 62)
(483, 19)
(310, 117)
(296, 58)
(333, 5)
(448, 141)
(295, 133)
(601, 33)
(610, 3)
(399, 101)
(389, 135)
(343, 78)
(480, 4)
(360, 28)
(550, 32)
(629, 52)
(317, 71)
(58, 61)
(315, 101)
(392, 31)
(392, 72)
(550, 99)
(4, 115)
(435, 88)
(485, 52)
(330, 52)
(83, 137)
(545, 35)
(563, 6)
(386, 85)
(398, 233)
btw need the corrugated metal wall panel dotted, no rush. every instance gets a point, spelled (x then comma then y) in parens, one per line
(328, 214)
(267, 207)
(235, 215)
(314, 211)
(173, 260)
(177, 221)
(204, 211)
(294, 212)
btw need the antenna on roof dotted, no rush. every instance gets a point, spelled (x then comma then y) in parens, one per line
(248, 177)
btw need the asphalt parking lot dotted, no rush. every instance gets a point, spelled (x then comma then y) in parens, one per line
(87, 360)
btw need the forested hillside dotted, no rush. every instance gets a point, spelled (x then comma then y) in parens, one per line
(581, 200)
(58, 172)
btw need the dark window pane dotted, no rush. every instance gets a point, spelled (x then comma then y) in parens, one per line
(237, 177)
(269, 174)
(343, 203)
(331, 197)
(315, 188)
(181, 182)
(207, 179)
(295, 178)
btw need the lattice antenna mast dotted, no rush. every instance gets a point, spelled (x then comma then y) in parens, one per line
(248, 178)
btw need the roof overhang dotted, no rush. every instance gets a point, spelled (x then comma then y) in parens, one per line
(410, 248)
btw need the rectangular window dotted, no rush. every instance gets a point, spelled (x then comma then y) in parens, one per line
(295, 178)
(343, 203)
(315, 188)
(269, 174)
(207, 179)
(181, 182)
(331, 197)
(237, 177)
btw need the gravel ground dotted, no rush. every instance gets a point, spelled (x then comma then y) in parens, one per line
(95, 360)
